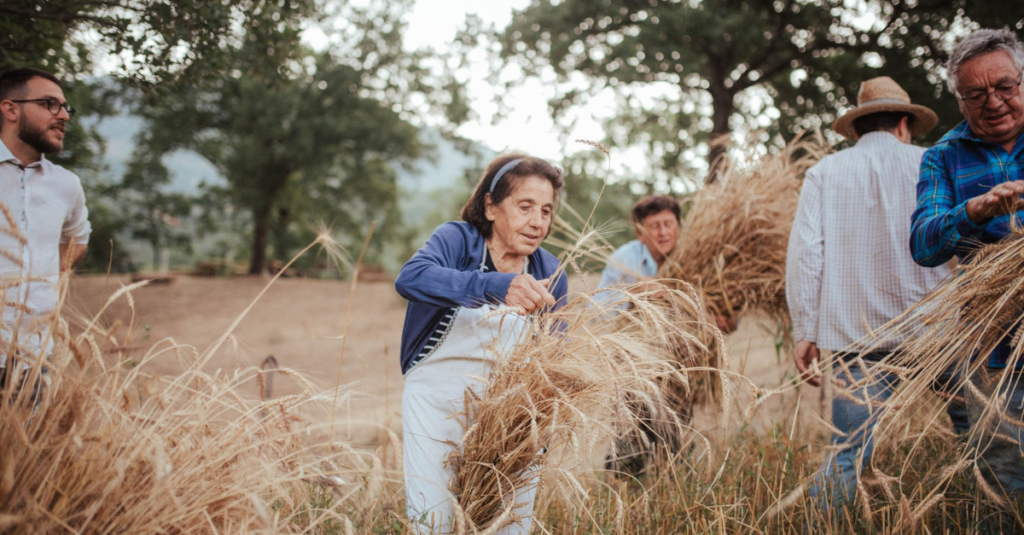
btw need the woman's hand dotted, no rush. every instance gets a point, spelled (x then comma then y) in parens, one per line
(528, 294)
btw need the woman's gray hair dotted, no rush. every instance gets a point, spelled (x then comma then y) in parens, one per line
(982, 42)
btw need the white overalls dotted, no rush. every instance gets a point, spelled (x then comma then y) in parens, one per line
(434, 390)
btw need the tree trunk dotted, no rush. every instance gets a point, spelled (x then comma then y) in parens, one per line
(722, 105)
(154, 240)
(261, 228)
(718, 141)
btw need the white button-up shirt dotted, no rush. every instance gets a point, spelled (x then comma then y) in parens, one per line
(848, 266)
(47, 206)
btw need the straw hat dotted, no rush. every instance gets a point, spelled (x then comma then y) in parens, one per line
(884, 94)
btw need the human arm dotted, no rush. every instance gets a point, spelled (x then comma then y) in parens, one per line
(613, 274)
(623, 275)
(75, 231)
(71, 254)
(440, 275)
(805, 262)
(529, 293)
(806, 355)
(938, 225)
(1000, 200)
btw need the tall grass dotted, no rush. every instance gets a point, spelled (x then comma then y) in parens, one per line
(111, 449)
(732, 244)
(106, 448)
(578, 379)
(957, 326)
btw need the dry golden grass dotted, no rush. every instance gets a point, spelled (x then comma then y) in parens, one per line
(579, 378)
(106, 448)
(958, 325)
(732, 244)
(112, 450)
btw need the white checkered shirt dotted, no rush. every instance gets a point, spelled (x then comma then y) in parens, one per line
(848, 266)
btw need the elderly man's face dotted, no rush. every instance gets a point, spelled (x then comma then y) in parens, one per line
(992, 119)
(659, 232)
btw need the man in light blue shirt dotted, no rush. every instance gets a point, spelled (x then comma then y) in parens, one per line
(632, 268)
(656, 223)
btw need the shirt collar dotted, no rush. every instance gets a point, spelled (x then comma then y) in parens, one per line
(877, 138)
(7, 156)
(963, 131)
(646, 258)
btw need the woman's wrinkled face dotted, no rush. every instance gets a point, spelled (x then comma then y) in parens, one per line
(521, 221)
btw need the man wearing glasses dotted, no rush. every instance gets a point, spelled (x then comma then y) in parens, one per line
(43, 220)
(966, 196)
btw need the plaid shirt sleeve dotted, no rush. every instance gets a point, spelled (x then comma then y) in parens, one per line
(939, 223)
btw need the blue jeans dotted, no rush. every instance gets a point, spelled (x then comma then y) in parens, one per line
(998, 440)
(835, 481)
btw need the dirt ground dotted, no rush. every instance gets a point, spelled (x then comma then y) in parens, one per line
(301, 322)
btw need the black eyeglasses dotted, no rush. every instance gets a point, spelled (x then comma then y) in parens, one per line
(1004, 91)
(52, 104)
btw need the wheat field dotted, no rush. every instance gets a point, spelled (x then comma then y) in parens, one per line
(735, 479)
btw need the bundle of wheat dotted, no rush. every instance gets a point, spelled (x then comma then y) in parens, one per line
(106, 449)
(575, 380)
(93, 446)
(957, 325)
(732, 246)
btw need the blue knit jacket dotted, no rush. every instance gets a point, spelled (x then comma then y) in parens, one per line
(445, 273)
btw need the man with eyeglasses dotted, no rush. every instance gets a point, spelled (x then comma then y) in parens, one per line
(44, 226)
(966, 196)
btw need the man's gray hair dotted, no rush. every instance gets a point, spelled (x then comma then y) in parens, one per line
(979, 43)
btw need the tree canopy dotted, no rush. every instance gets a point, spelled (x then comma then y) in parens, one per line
(715, 66)
(155, 42)
(292, 146)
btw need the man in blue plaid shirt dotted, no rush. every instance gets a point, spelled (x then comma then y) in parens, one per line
(965, 195)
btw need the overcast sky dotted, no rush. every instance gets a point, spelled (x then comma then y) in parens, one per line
(434, 23)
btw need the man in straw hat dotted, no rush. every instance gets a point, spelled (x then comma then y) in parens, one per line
(848, 271)
(968, 183)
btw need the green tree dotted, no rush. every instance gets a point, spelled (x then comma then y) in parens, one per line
(294, 146)
(155, 41)
(303, 136)
(724, 64)
(160, 46)
(153, 214)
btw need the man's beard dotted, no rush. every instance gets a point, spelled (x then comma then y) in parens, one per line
(36, 138)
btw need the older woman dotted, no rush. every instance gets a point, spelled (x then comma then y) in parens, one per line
(455, 323)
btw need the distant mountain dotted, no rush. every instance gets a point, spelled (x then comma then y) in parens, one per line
(188, 169)
(434, 190)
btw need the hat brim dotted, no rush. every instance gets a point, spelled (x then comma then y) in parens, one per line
(924, 118)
